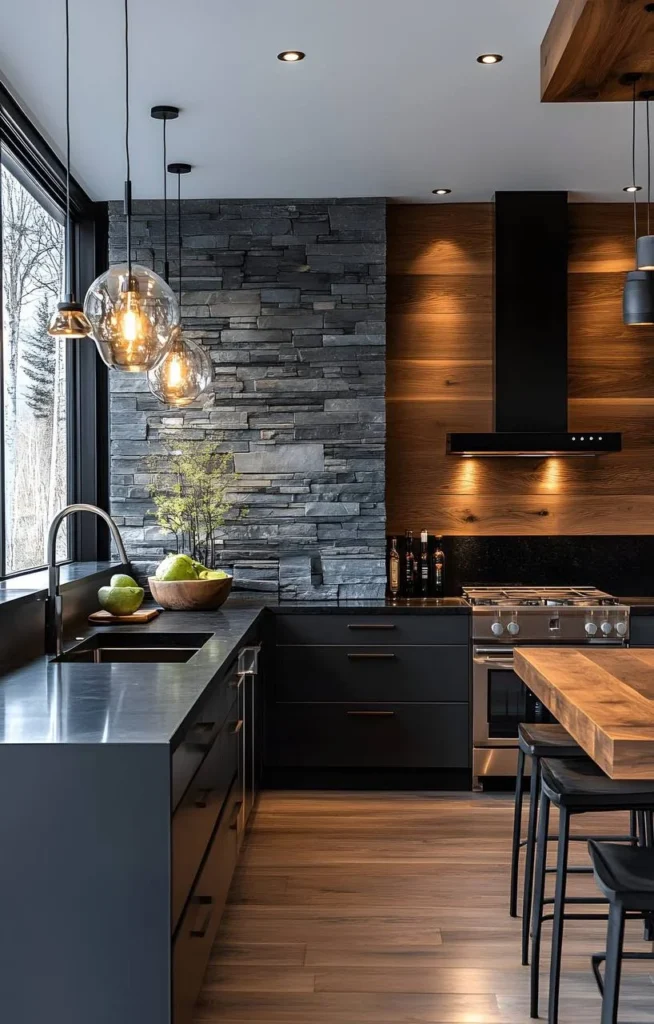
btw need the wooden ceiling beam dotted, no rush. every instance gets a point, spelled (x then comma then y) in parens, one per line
(591, 45)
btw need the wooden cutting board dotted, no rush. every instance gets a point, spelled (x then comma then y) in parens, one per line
(103, 618)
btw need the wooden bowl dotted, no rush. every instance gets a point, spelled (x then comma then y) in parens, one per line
(190, 595)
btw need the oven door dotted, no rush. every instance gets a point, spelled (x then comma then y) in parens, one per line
(500, 699)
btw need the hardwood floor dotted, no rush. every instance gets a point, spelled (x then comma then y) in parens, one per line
(392, 908)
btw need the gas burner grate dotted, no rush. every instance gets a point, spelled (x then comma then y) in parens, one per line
(537, 597)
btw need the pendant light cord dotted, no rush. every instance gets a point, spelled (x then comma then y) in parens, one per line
(165, 194)
(179, 235)
(128, 183)
(649, 167)
(68, 254)
(633, 169)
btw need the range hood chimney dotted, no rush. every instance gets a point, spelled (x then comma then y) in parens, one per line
(531, 336)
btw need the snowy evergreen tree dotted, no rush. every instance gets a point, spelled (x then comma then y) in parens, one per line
(39, 358)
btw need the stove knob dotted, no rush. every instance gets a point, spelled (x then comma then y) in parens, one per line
(513, 628)
(497, 628)
(621, 628)
(606, 628)
(591, 628)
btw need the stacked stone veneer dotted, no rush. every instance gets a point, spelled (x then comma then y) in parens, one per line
(289, 298)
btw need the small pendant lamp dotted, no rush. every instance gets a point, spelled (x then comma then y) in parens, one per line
(69, 319)
(645, 244)
(133, 311)
(185, 372)
(638, 294)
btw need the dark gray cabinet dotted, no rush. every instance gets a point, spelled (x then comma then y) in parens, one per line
(209, 822)
(369, 691)
(641, 629)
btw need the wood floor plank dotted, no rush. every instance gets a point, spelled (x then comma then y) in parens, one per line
(391, 908)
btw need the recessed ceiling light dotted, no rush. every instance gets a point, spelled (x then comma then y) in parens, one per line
(291, 56)
(489, 58)
(633, 188)
(441, 191)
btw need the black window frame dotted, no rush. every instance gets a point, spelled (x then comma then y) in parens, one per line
(31, 159)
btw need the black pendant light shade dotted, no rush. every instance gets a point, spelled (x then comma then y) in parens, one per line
(638, 293)
(645, 252)
(638, 298)
(69, 319)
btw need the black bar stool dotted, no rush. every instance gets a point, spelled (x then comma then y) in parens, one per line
(535, 740)
(575, 786)
(626, 877)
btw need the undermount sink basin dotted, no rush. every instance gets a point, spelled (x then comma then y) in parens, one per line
(153, 648)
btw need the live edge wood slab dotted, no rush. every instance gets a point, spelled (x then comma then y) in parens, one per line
(604, 698)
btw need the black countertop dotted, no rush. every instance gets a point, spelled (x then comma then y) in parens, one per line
(65, 703)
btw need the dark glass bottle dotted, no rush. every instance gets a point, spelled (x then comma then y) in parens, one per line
(409, 565)
(424, 563)
(438, 562)
(394, 570)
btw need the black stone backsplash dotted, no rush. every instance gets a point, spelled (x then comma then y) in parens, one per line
(622, 565)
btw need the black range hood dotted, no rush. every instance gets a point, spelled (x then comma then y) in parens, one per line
(531, 336)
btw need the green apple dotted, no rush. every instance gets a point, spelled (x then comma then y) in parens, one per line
(121, 580)
(213, 574)
(121, 600)
(176, 567)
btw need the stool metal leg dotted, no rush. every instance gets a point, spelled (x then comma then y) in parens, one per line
(517, 827)
(534, 791)
(559, 911)
(537, 903)
(614, 941)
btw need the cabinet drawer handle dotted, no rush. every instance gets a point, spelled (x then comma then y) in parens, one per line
(371, 714)
(371, 625)
(236, 728)
(199, 931)
(371, 657)
(199, 733)
(236, 813)
(202, 797)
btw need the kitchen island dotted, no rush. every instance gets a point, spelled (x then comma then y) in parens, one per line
(604, 698)
(126, 785)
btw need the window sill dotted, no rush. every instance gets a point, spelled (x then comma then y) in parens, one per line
(33, 586)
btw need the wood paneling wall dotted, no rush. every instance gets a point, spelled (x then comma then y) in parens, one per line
(440, 379)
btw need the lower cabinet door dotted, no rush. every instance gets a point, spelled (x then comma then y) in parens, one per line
(199, 925)
(369, 736)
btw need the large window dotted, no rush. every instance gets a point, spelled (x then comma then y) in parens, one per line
(53, 394)
(34, 375)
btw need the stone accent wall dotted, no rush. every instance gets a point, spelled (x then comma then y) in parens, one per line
(289, 297)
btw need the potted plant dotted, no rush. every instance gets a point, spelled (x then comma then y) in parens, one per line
(191, 495)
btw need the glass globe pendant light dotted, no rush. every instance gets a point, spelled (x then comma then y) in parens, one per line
(133, 312)
(638, 294)
(68, 320)
(185, 371)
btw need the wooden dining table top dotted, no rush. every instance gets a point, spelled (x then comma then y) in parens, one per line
(603, 697)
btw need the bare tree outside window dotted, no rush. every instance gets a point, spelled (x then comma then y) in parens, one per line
(34, 366)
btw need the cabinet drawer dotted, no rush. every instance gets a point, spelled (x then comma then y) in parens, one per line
(378, 736)
(199, 737)
(371, 673)
(198, 927)
(439, 628)
(197, 813)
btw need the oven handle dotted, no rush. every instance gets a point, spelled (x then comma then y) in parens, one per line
(493, 650)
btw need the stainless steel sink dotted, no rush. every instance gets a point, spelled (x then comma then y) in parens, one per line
(152, 648)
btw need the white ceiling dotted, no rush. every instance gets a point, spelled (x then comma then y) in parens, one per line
(390, 100)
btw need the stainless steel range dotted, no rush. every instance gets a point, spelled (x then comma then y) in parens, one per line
(505, 617)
